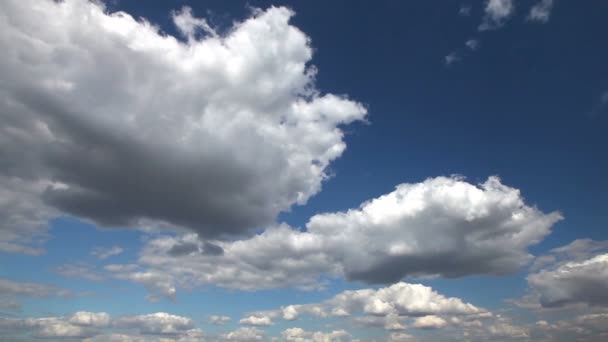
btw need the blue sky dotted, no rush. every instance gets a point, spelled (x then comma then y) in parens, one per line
(298, 171)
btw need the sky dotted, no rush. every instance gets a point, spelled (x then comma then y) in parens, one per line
(303, 171)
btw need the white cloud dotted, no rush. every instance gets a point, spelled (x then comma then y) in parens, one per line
(429, 322)
(465, 10)
(93, 319)
(156, 323)
(541, 11)
(451, 58)
(472, 44)
(400, 337)
(574, 282)
(247, 334)
(47, 327)
(496, 13)
(440, 227)
(301, 335)
(103, 253)
(82, 271)
(101, 327)
(137, 128)
(262, 321)
(385, 307)
(218, 320)
(10, 288)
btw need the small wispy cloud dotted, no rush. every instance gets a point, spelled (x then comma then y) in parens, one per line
(451, 58)
(465, 10)
(541, 11)
(106, 252)
(472, 44)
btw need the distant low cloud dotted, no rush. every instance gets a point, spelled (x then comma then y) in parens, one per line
(129, 127)
(106, 252)
(98, 327)
(245, 334)
(576, 274)
(11, 289)
(261, 321)
(398, 300)
(301, 335)
(219, 320)
(541, 11)
(496, 14)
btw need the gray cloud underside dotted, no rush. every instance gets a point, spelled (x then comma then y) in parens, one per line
(440, 227)
(105, 118)
(573, 275)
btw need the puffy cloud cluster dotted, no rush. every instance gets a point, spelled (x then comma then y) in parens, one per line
(246, 334)
(576, 274)
(263, 321)
(301, 335)
(105, 118)
(496, 13)
(586, 327)
(93, 326)
(439, 227)
(80, 324)
(383, 307)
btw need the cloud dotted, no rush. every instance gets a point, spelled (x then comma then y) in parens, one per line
(189, 25)
(385, 306)
(496, 13)
(23, 215)
(47, 327)
(246, 334)
(472, 44)
(103, 253)
(571, 279)
(465, 10)
(586, 327)
(159, 284)
(82, 271)
(137, 128)
(301, 335)
(219, 320)
(156, 323)
(100, 326)
(260, 321)
(429, 322)
(452, 58)
(442, 226)
(10, 288)
(400, 337)
(541, 11)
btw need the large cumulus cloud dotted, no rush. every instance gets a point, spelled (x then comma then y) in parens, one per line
(442, 226)
(128, 126)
